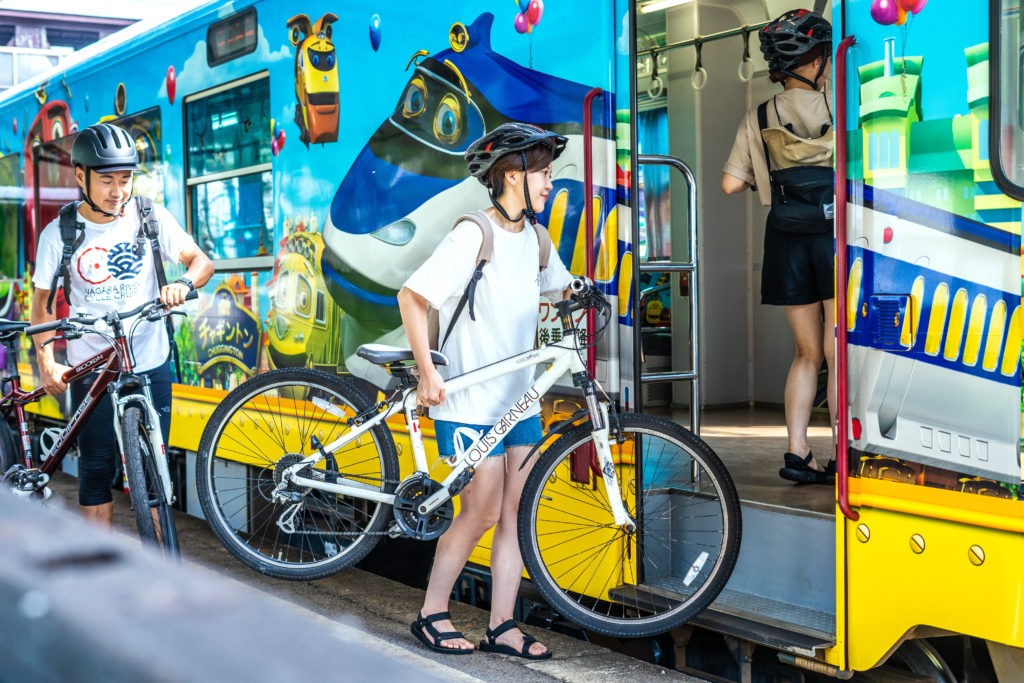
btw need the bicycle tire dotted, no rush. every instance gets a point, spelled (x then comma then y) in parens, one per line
(569, 541)
(262, 425)
(144, 486)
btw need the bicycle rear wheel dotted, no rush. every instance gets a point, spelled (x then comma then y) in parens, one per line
(152, 513)
(613, 582)
(263, 427)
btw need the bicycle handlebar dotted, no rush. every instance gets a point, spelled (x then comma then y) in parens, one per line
(91, 320)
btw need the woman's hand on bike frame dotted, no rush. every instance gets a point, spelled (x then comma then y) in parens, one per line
(431, 388)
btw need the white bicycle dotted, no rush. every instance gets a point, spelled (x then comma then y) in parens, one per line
(629, 524)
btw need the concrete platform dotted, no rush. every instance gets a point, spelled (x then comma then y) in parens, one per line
(378, 611)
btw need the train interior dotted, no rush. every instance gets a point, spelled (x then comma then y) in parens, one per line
(690, 101)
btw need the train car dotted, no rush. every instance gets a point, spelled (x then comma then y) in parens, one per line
(912, 565)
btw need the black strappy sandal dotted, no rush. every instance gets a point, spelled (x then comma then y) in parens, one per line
(489, 644)
(417, 627)
(799, 470)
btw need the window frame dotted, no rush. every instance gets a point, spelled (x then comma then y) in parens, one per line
(995, 54)
(225, 264)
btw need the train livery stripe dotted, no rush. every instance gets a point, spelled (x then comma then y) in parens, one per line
(931, 217)
(949, 322)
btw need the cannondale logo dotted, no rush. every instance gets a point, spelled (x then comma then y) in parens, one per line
(122, 262)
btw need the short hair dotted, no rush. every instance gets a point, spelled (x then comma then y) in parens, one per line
(537, 157)
(806, 58)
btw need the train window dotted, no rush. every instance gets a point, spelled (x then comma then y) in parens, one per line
(321, 307)
(144, 127)
(228, 172)
(231, 37)
(1006, 103)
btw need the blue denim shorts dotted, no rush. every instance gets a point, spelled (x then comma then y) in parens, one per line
(526, 433)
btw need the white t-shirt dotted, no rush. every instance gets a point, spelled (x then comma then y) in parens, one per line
(506, 306)
(106, 276)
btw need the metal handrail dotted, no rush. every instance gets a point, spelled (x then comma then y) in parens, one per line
(588, 210)
(842, 407)
(690, 267)
(745, 29)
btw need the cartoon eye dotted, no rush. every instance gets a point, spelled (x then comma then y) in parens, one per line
(315, 61)
(294, 35)
(415, 99)
(328, 31)
(303, 296)
(330, 60)
(448, 120)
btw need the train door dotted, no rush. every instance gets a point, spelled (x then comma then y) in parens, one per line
(699, 319)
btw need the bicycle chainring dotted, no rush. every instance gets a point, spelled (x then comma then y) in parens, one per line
(408, 496)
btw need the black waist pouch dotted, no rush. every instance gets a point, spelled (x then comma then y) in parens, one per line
(803, 199)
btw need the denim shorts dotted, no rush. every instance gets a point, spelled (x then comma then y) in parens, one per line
(526, 433)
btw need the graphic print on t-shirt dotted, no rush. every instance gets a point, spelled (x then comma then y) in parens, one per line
(96, 266)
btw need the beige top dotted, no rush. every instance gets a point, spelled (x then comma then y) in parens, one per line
(805, 109)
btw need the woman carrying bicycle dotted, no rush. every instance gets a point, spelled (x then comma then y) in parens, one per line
(514, 163)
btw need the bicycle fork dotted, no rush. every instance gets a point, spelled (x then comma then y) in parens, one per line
(153, 435)
(599, 418)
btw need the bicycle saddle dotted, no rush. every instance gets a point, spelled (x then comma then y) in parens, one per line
(10, 329)
(381, 354)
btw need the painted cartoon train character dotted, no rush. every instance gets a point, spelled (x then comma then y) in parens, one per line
(316, 78)
(303, 319)
(409, 183)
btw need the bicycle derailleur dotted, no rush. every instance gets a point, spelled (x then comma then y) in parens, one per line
(408, 496)
(27, 483)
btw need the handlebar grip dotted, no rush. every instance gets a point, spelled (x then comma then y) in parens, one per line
(43, 327)
(193, 295)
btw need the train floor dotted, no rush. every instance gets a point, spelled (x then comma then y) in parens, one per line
(751, 441)
(380, 610)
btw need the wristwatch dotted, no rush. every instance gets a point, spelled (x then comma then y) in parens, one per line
(185, 281)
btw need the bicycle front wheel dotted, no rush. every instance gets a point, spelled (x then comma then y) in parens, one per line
(10, 454)
(630, 584)
(262, 428)
(152, 513)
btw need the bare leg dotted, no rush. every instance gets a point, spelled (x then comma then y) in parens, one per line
(802, 382)
(506, 560)
(829, 345)
(480, 507)
(101, 515)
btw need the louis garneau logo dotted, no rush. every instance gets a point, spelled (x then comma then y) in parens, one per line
(110, 274)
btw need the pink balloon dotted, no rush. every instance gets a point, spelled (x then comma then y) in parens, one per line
(908, 5)
(280, 140)
(885, 12)
(274, 149)
(172, 82)
(535, 11)
(919, 6)
(522, 24)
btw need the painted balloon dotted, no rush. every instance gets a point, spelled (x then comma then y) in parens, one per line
(908, 5)
(522, 24)
(172, 82)
(274, 149)
(919, 6)
(902, 17)
(375, 32)
(535, 11)
(885, 12)
(280, 140)
(523, 5)
(15, 121)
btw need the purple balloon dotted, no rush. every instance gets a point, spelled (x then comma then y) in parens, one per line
(885, 12)
(274, 148)
(522, 23)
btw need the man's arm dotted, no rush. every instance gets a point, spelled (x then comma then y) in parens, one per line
(199, 269)
(50, 371)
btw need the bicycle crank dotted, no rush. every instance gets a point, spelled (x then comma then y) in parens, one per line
(409, 494)
(26, 483)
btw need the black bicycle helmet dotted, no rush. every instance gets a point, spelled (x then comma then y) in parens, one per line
(506, 139)
(788, 38)
(104, 148)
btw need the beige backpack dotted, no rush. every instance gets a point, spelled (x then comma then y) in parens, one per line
(483, 257)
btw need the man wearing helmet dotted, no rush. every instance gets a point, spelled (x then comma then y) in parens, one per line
(514, 163)
(109, 268)
(794, 130)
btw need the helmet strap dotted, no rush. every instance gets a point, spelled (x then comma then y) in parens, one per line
(92, 204)
(528, 212)
(798, 77)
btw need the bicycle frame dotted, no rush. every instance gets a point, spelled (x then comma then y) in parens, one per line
(110, 359)
(562, 359)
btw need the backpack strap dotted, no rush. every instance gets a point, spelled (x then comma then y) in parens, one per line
(544, 244)
(762, 123)
(483, 257)
(149, 229)
(72, 233)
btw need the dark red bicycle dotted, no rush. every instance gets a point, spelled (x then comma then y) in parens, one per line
(136, 422)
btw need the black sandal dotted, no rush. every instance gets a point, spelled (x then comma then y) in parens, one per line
(427, 623)
(799, 470)
(489, 644)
